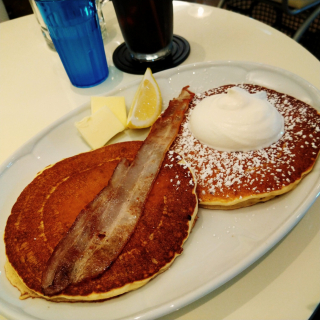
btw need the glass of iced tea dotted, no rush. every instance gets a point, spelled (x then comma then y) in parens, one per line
(146, 26)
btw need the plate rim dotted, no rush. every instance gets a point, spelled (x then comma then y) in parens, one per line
(8, 161)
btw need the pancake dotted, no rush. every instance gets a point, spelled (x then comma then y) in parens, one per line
(48, 206)
(231, 180)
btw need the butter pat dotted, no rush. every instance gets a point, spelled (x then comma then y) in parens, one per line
(100, 127)
(115, 104)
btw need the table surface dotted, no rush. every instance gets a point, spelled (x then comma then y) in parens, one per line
(35, 91)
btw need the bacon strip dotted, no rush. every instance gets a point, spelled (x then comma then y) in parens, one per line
(104, 226)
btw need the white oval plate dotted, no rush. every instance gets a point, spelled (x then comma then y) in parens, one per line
(221, 245)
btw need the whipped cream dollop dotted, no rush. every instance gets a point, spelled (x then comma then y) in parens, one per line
(236, 121)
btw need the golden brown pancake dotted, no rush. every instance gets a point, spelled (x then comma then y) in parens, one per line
(231, 180)
(49, 205)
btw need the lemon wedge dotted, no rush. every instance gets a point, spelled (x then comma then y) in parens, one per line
(146, 104)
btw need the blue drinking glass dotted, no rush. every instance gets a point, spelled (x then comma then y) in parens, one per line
(75, 31)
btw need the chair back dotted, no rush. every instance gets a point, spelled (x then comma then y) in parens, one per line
(3, 12)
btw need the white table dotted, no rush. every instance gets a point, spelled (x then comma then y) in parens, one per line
(35, 91)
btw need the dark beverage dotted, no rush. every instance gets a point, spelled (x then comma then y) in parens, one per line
(146, 26)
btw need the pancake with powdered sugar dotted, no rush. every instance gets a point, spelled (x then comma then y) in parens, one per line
(230, 180)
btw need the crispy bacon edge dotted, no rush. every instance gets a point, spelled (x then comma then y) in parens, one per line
(105, 225)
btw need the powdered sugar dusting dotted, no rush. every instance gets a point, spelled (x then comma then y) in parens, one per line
(240, 174)
(187, 174)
